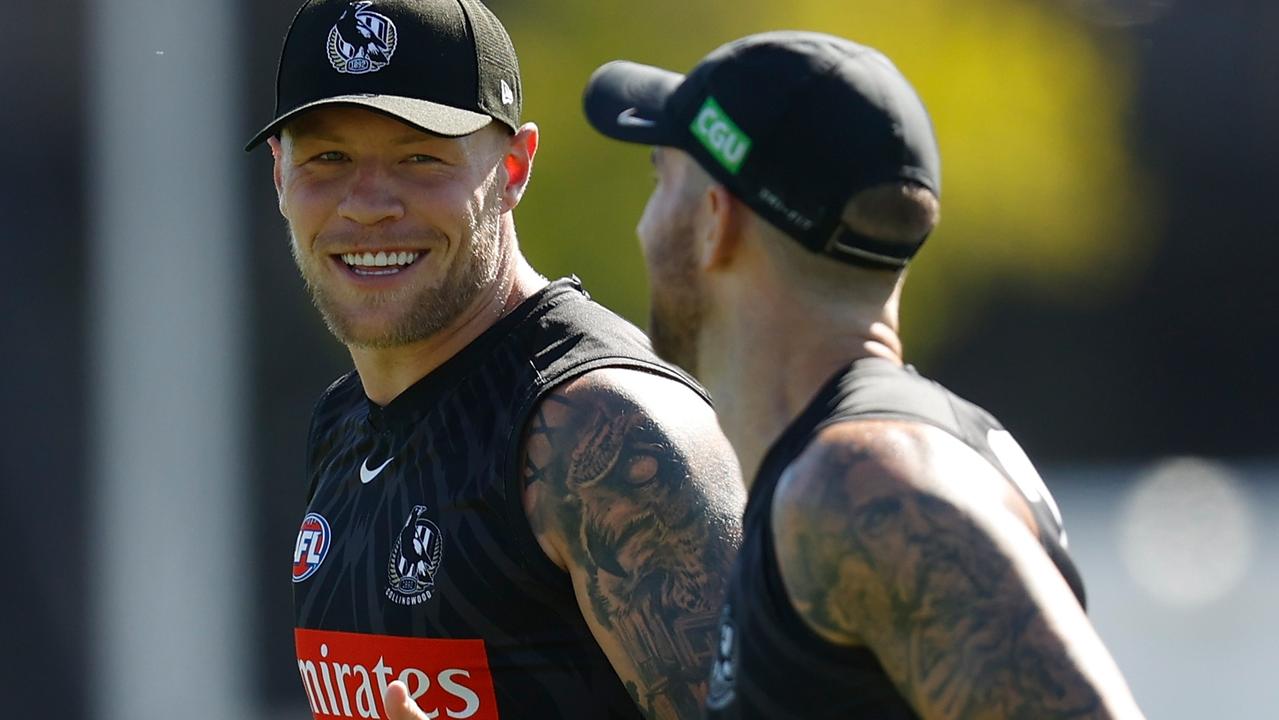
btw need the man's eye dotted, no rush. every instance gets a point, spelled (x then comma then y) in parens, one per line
(330, 156)
(421, 158)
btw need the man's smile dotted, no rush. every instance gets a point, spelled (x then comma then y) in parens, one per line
(367, 264)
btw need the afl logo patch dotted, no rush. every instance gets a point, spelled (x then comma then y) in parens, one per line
(312, 546)
(415, 558)
(361, 41)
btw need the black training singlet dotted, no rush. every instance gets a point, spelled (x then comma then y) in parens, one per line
(415, 559)
(769, 663)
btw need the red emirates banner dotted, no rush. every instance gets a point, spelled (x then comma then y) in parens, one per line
(345, 674)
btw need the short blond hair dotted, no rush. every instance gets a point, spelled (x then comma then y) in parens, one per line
(902, 212)
(892, 213)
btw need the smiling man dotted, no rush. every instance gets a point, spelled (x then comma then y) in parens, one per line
(515, 510)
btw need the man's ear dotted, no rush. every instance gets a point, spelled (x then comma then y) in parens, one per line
(518, 162)
(277, 157)
(720, 228)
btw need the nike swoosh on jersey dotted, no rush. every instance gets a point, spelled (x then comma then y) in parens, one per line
(367, 475)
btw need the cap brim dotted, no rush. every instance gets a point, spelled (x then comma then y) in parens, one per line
(432, 117)
(626, 101)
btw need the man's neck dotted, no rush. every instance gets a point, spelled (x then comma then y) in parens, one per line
(768, 365)
(387, 372)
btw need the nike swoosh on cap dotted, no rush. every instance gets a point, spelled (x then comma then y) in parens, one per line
(627, 118)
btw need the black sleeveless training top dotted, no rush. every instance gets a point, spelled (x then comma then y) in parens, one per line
(415, 560)
(769, 663)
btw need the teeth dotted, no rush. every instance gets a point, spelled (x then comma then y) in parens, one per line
(382, 259)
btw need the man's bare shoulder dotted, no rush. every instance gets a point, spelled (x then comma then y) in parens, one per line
(873, 457)
(653, 417)
(631, 487)
(899, 537)
(866, 499)
(634, 437)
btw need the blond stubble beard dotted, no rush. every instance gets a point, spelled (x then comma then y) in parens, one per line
(676, 304)
(428, 310)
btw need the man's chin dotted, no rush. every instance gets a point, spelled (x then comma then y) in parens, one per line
(370, 333)
(365, 340)
(390, 320)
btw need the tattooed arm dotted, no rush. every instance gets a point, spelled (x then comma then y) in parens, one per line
(898, 537)
(631, 487)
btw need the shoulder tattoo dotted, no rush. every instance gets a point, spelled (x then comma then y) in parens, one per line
(635, 519)
(922, 582)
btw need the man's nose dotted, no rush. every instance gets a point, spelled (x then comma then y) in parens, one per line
(371, 198)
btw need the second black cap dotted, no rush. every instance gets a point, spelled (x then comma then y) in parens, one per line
(792, 123)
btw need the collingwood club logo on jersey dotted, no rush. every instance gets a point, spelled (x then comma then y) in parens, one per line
(362, 41)
(723, 672)
(415, 558)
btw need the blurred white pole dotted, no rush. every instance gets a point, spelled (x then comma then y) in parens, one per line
(168, 355)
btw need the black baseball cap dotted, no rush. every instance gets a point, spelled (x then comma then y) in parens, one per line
(794, 124)
(444, 66)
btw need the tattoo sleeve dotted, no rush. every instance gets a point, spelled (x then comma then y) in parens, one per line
(931, 589)
(647, 533)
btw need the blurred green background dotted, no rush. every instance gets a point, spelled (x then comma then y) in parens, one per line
(1028, 103)
(1102, 281)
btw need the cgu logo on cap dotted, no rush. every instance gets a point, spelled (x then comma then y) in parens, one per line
(361, 41)
(721, 136)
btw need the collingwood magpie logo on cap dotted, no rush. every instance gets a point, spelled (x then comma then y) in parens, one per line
(361, 41)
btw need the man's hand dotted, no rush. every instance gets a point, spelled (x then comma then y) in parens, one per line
(399, 706)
